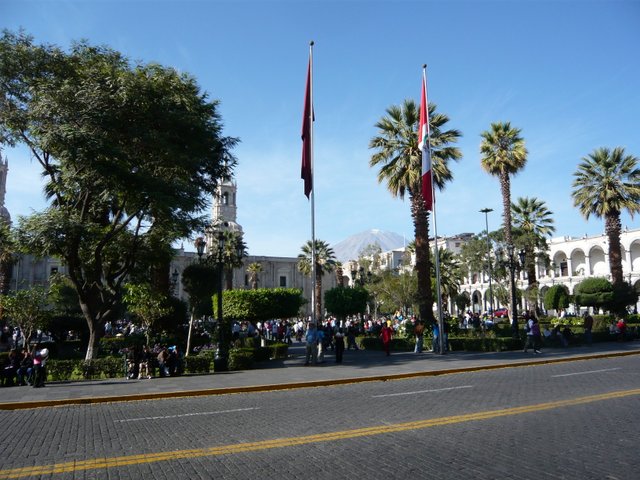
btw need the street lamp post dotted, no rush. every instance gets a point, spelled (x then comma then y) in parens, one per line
(200, 244)
(486, 222)
(221, 360)
(514, 299)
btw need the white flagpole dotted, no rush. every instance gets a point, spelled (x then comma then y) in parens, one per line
(435, 233)
(314, 314)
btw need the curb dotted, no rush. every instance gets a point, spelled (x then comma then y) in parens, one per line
(296, 385)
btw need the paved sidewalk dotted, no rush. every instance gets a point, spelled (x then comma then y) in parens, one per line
(357, 366)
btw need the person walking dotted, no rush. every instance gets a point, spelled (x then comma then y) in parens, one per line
(339, 343)
(532, 328)
(588, 326)
(386, 334)
(311, 339)
(419, 333)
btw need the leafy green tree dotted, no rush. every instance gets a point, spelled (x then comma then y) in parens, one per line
(199, 281)
(146, 304)
(557, 298)
(27, 309)
(342, 302)
(131, 156)
(400, 161)
(261, 304)
(533, 220)
(594, 292)
(325, 263)
(606, 183)
(66, 313)
(7, 257)
(473, 256)
(462, 301)
(396, 291)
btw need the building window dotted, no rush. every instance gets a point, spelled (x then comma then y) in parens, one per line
(283, 281)
(225, 198)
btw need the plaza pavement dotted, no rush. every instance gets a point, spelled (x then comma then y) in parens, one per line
(357, 366)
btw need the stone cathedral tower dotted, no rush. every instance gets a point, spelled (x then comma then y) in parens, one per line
(224, 211)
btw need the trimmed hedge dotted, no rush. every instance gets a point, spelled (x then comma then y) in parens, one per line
(240, 358)
(197, 364)
(397, 344)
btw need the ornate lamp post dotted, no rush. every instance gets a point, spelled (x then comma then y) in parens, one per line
(486, 222)
(200, 244)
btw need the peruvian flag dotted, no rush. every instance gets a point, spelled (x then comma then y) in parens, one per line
(423, 145)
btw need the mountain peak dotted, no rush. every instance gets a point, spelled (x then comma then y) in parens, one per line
(350, 247)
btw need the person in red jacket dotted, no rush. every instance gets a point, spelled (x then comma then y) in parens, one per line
(386, 334)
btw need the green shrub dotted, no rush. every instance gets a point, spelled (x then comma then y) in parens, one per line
(279, 350)
(397, 344)
(209, 355)
(486, 344)
(197, 364)
(240, 358)
(109, 367)
(62, 370)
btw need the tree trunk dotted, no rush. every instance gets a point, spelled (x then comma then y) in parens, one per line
(612, 228)
(530, 259)
(421, 228)
(505, 187)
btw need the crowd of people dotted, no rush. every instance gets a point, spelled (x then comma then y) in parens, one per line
(23, 368)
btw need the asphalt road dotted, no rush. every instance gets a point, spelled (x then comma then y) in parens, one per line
(574, 420)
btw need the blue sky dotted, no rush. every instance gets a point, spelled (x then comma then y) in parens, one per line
(565, 72)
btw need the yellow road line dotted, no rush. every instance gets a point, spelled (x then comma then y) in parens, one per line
(104, 463)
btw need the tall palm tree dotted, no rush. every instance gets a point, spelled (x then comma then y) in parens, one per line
(400, 161)
(325, 262)
(503, 154)
(254, 270)
(606, 183)
(532, 217)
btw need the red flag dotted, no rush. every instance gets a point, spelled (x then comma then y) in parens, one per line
(423, 145)
(307, 119)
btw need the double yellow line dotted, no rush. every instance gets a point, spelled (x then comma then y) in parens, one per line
(114, 462)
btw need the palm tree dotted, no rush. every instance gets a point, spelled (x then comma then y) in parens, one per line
(606, 183)
(533, 219)
(254, 270)
(400, 161)
(450, 274)
(503, 154)
(235, 249)
(325, 262)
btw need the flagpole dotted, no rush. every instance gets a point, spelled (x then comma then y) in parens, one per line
(435, 233)
(314, 314)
